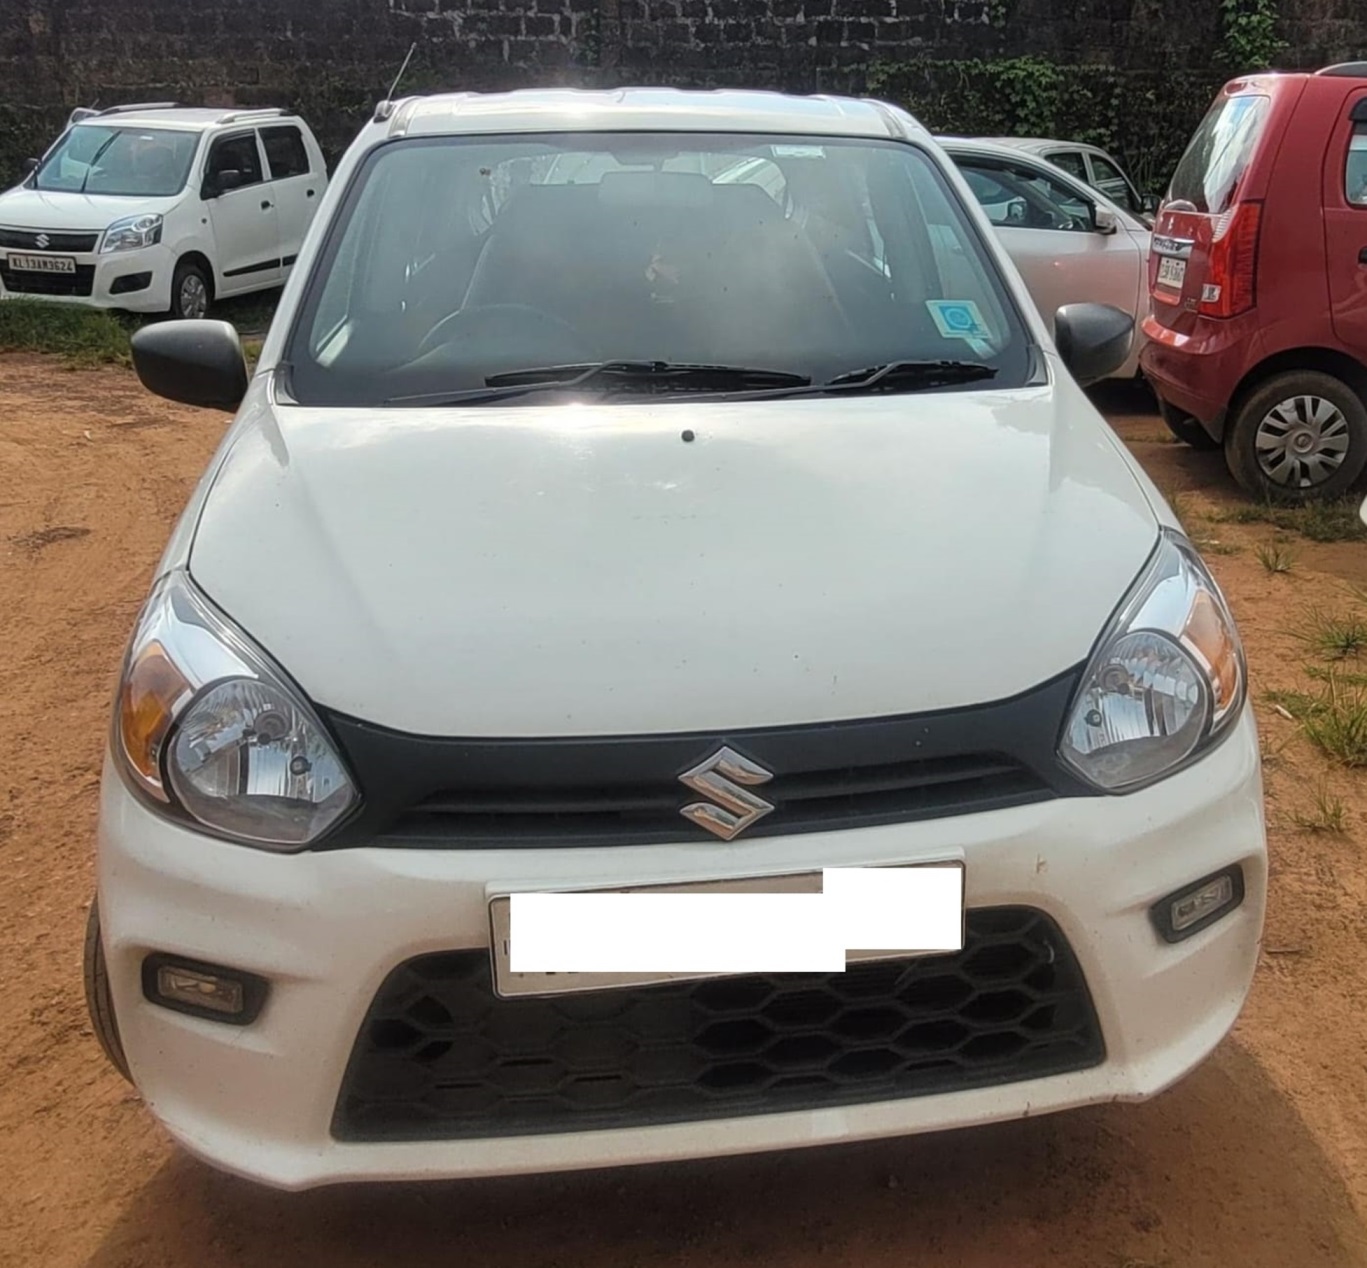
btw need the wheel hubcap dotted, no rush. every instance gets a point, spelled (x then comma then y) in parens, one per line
(1302, 441)
(194, 299)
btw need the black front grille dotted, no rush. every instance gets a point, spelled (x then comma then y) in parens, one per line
(443, 793)
(23, 282)
(28, 240)
(441, 1057)
(645, 813)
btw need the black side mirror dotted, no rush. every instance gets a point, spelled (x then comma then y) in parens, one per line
(192, 362)
(30, 166)
(1093, 340)
(1149, 204)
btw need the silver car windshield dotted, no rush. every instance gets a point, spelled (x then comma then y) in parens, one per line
(454, 261)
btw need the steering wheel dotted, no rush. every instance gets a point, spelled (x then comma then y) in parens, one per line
(445, 331)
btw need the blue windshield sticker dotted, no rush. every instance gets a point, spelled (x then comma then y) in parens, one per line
(958, 319)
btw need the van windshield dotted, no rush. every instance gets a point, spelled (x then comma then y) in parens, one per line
(1219, 153)
(122, 162)
(457, 261)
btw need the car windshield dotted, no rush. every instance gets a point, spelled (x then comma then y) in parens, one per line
(124, 161)
(1219, 153)
(741, 263)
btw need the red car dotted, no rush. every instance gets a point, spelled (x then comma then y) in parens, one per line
(1257, 339)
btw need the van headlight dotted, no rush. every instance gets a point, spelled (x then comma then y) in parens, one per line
(1167, 679)
(208, 727)
(132, 232)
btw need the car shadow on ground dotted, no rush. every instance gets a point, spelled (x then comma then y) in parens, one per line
(1218, 1171)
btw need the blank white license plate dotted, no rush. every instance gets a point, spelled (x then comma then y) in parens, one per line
(1172, 272)
(43, 263)
(798, 939)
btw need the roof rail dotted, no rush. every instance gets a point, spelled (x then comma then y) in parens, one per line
(142, 105)
(1346, 70)
(264, 112)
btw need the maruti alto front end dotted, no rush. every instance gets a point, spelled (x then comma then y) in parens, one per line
(568, 472)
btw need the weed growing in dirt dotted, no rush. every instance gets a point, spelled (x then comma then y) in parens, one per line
(1276, 558)
(82, 336)
(1334, 718)
(1327, 816)
(1318, 521)
(1333, 636)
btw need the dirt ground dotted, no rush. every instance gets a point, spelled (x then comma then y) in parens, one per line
(1259, 1158)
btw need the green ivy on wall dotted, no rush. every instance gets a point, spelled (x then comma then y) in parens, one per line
(1248, 35)
(1144, 117)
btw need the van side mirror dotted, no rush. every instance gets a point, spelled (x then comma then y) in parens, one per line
(1103, 219)
(196, 363)
(30, 166)
(1149, 204)
(1093, 340)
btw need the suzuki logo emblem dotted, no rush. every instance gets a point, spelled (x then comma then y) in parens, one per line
(723, 779)
(42, 241)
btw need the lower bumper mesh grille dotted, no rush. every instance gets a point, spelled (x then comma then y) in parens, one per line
(441, 1057)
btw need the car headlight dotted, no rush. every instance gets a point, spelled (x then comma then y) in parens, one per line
(1167, 679)
(132, 232)
(207, 726)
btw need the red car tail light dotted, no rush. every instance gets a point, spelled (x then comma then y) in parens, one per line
(1232, 274)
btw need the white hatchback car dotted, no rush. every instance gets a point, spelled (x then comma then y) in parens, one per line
(639, 532)
(158, 208)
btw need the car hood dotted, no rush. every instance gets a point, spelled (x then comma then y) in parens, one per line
(588, 570)
(36, 209)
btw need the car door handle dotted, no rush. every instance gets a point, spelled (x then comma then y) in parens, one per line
(266, 206)
(310, 193)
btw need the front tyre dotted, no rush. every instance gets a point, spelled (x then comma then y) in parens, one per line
(191, 291)
(1300, 437)
(98, 1001)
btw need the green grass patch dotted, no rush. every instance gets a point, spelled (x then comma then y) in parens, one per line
(1327, 815)
(81, 336)
(1276, 558)
(1334, 636)
(1334, 718)
(1336, 521)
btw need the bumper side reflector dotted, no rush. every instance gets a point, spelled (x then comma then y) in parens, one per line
(203, 990)
(1189, 910)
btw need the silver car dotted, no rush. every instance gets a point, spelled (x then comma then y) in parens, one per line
(1070, 242)
(1092, 165)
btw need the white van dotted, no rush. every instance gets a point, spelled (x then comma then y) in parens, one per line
(160, 208)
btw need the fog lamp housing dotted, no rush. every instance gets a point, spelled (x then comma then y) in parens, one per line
(1199, 905)
(203, 990)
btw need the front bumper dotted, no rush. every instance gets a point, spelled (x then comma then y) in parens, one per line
(327, 928)
(100, 280)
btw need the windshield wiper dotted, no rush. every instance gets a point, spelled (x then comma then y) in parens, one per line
(905, 376)
(95, 158)
(634, 376)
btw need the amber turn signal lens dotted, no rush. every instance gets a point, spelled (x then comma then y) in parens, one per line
(152, 689)
(1210, 634)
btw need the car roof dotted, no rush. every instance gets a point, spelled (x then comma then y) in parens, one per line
(195, 118)
(1040, 144)
(1002, 147)
(628, 109)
